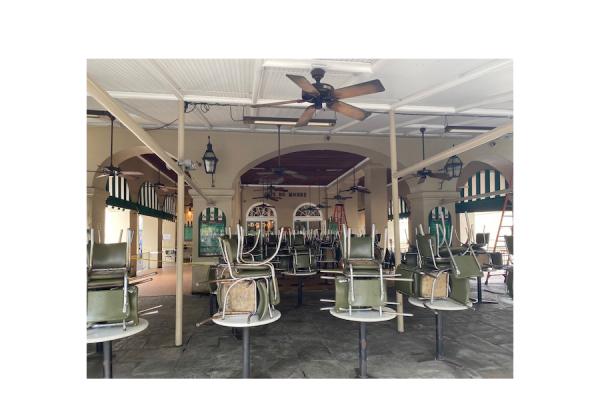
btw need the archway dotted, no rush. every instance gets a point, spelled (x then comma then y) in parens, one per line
(307, 217)
(261, 217)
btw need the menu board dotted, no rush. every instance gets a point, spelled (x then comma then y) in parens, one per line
(210, 227)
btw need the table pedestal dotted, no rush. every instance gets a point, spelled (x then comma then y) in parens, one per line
(104, 336)
(107, 359)
(480, 294)
(439, 336)
(246, 351)
(362, 350)
(241, 322)
(363, 317)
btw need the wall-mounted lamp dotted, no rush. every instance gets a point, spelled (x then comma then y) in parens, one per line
(210, 160)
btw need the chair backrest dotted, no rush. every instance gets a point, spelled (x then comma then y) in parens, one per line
(425, 245)
(466, 266)
(509, 243)
(302, 260)
(482, 238)
(114, 255)
(229, 248)
(361, 248)
(496, 258)
(298, 240)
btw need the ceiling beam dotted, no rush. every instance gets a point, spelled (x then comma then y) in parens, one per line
(351, 170)
(455, 150)
(137, 111)
(256, 87)
(102, 97)
(164, 76)
(156, 169)
(327, 65)
(461, 79)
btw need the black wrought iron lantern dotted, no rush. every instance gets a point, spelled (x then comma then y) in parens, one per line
(210, 160)
(453, 167)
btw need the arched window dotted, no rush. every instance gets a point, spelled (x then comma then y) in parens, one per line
(261, 216)
(307, 217)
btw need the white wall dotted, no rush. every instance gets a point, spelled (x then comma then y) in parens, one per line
(115, 220)
(149, 241)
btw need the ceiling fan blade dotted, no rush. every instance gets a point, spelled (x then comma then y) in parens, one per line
(304, 84)
(348, 110)
(266, 173)
(131, 173)
(306, 116)
(102, 176)
(277, 103)
(360, 89)
(421, 180)
(436, 175)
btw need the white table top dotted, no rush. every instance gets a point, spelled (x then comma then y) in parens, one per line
(241, 320)
(438, 304)
(365, 316)
(288, 273)
(105, 334)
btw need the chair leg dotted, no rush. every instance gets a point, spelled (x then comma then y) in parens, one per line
(487, 277)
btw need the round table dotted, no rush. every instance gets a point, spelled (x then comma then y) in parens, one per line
(363, 317)
(300, 276)
(241, 321)
(106, 335)
(437, 306)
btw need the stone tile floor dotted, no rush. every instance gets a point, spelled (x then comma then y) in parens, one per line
(308, 343)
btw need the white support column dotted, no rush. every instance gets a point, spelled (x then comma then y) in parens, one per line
(180, 226)
(395, 210)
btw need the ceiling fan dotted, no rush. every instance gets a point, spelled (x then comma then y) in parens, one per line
(338, 197)
(111, 170)
(356, 188)
(161, 186)
(277, 174)
(425, 172)
(319, 205)
(322, 93)
(269, 194)
(273, 189)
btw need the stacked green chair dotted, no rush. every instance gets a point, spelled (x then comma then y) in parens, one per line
(362, 284)
(111, 299)
(259, 275)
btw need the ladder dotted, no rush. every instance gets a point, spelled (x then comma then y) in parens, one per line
(339, 215)
(505, 228)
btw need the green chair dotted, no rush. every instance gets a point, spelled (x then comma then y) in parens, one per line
(260, 275)
(110, 298)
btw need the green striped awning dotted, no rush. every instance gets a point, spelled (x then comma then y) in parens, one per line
(149, 205)
(482, 182)
(118, 193)
(147, 196)
(404, 210)
(440, 216)
(169, 205)
(212, 214)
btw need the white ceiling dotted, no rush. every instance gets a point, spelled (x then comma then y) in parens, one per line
(461, 89)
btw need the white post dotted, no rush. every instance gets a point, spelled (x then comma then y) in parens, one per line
(180, 223)
(396, 211)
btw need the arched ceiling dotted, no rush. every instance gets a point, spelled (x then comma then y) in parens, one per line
(320, 167)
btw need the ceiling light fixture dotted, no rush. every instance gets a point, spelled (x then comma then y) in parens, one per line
(286, 121)
(468, 129)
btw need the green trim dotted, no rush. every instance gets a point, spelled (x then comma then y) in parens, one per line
(487, 204)
(120, 203)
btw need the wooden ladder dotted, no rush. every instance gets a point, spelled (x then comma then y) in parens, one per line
(339, 215)
(500, 243)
